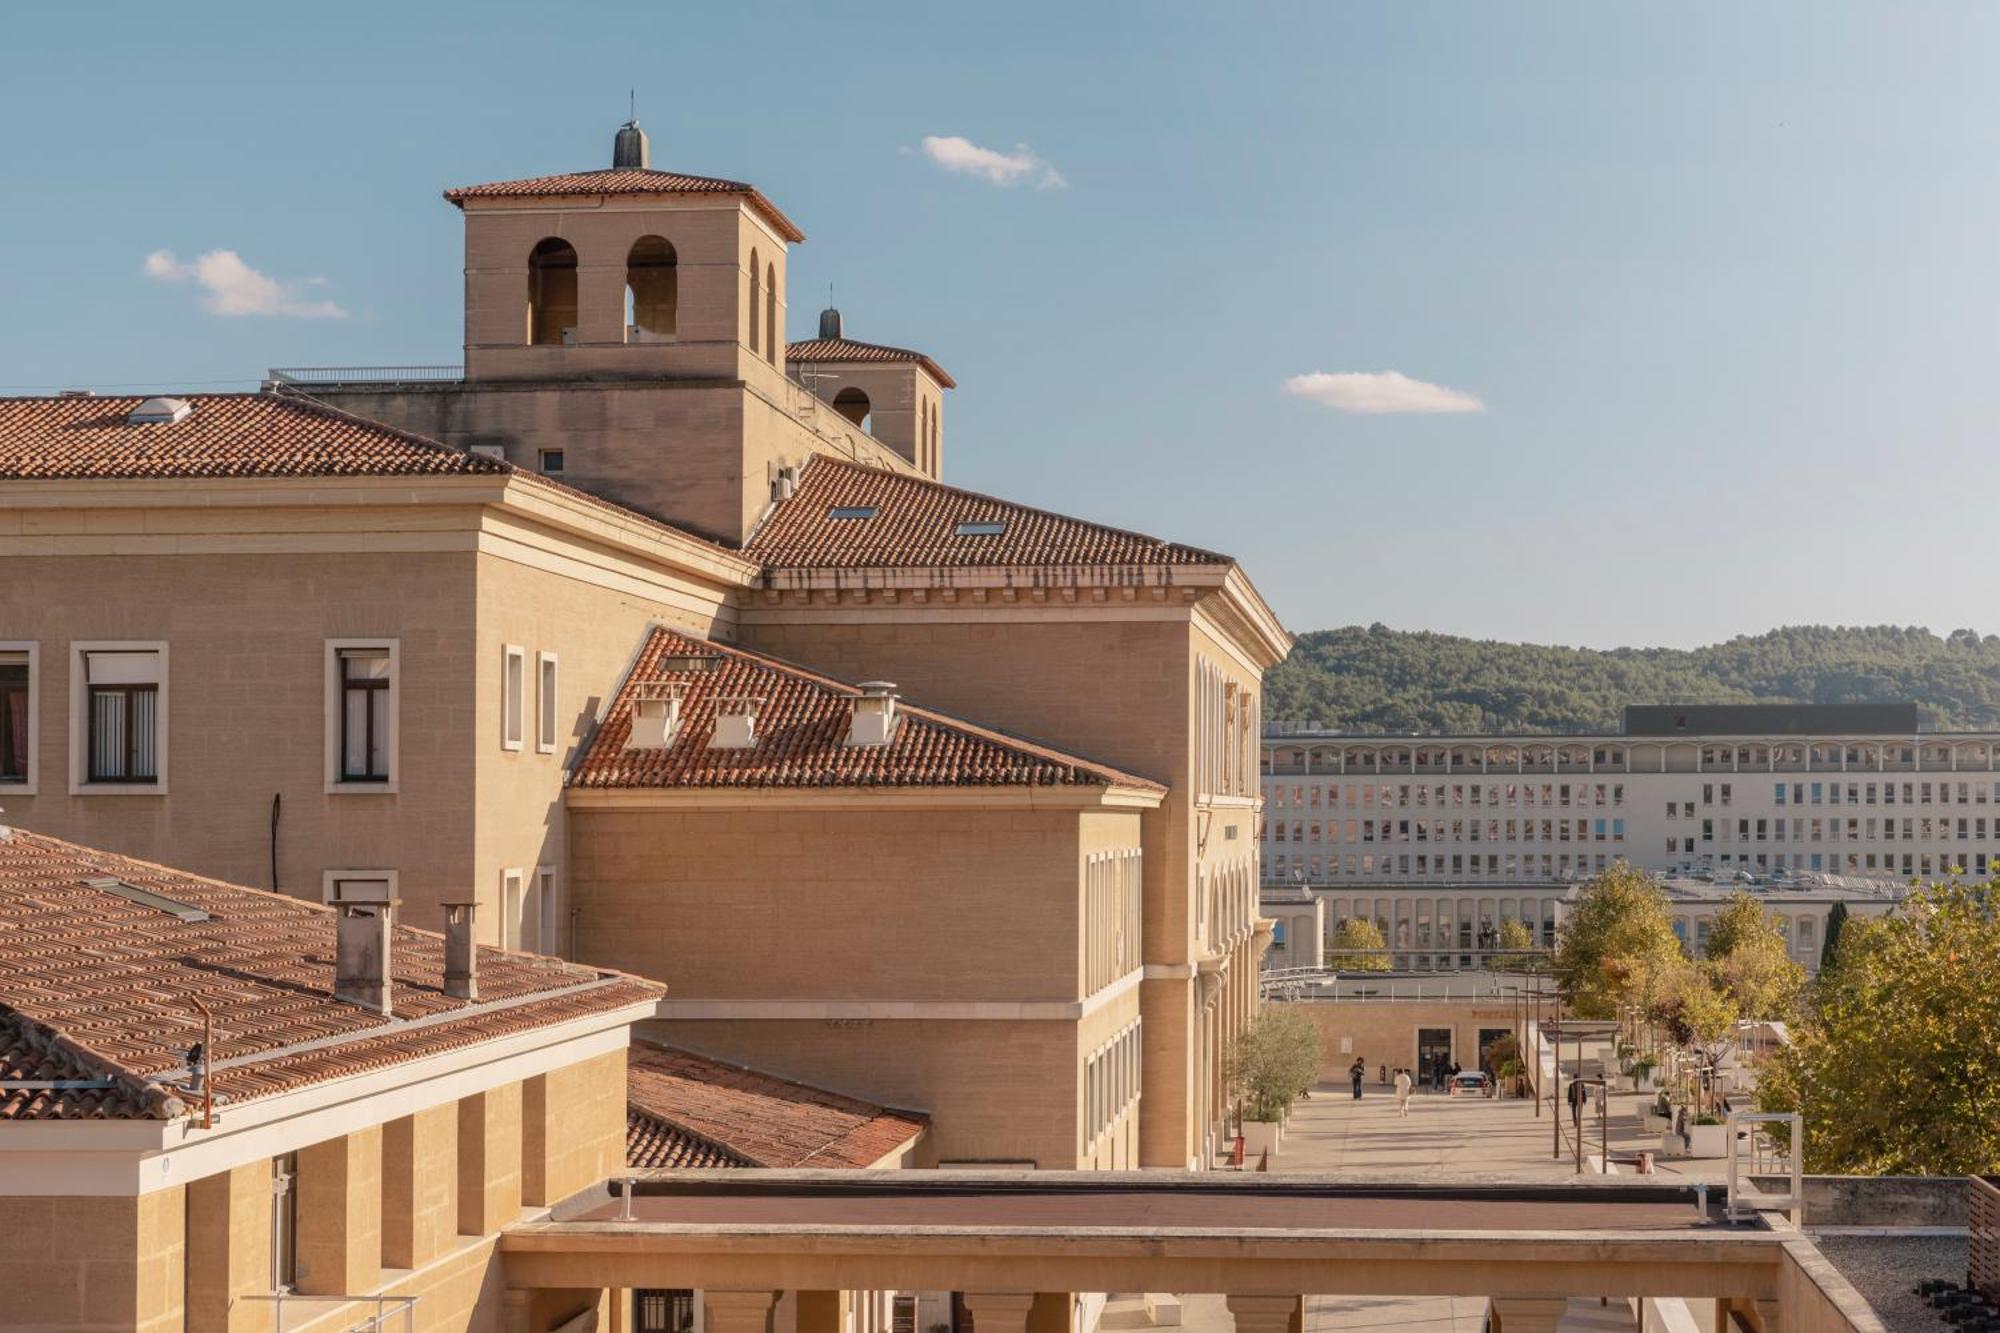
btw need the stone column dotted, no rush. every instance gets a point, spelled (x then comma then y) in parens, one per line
(340, 1214)
(489, 1160)
(822, 1311)
(419, 1186)
(229, 1249)
(1052, 1312)
(1527, 1314)
(738, 1311)
(995, 1311)
(1266, 1314)
(1770, 1315)
(516, 1308)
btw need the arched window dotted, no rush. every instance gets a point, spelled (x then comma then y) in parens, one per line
(852, 404)
(652, 290)
(551, 292)
(771, 314)
(923, 450)
(756, 297)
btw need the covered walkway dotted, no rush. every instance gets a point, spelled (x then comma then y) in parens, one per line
(1523, 1246)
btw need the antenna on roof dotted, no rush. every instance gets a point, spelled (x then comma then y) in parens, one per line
(632, 105)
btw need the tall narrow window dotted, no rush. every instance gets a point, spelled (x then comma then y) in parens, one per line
(285, 1222)
(512, 902)
(652, 290)
(756, 297)
(363, 686)
(17, 715)
(547, 926)
(771, 313)
(513, 687)
(547, 717)
(122, 741)
(365, 710)
(552, 308)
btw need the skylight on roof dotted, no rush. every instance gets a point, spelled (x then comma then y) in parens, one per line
(159, 902)
(979, 529)
(853, 511)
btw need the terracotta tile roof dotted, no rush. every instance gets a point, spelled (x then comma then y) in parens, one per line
(847, 349)
(626, 180)
(916, 523)
(801, 734)
(651, 1142)
(756, 1119)
(95, 986)
(226, 435)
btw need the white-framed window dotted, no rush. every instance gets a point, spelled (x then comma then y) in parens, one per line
(118, 717)
(358, 886)
(513, 694)
(20, 716)
(363, 696)
(546, 713)
(548, 902)
(513, 906)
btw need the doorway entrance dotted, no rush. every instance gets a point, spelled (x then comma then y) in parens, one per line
(1433, 1055)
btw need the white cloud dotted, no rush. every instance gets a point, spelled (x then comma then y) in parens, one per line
(232, 287)
(1380, 391)
(1020, 167)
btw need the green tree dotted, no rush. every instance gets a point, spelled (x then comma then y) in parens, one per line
(1617, 945)
(1751, 961)
(1274, 1061)
(1370, 951)
(1828, 951)
(1516, 937)
(1893, 1067)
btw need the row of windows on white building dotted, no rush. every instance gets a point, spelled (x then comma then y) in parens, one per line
(1454, 795)
(1447, 830)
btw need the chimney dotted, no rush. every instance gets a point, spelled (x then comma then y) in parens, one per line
(361, 955)
(461, 953)
(874, 714)
(829, 324)
(630, 149)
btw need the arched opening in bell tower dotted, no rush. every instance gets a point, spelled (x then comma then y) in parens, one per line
(551, 292)
(652, 290)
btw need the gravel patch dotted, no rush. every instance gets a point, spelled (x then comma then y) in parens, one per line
(1884, 1268)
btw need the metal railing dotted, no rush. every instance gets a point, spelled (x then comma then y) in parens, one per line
(1316, 983)
(365, 374)
(406, 1306)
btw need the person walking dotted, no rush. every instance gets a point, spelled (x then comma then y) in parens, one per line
(1355, 1074)
(1579, 1093)
(1403, 1092)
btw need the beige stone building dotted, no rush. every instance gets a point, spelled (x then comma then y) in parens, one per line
(350, 638)
(355, 1110)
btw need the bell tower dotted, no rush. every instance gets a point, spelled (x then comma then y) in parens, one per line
(623, 273)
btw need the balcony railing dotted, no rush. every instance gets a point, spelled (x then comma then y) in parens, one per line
(365, 374)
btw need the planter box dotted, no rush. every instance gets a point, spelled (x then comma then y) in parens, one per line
(1709, 1140)
(1259, 1137)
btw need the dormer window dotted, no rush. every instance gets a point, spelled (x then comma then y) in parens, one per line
(735, 722)
(979, 529)
(853, 511)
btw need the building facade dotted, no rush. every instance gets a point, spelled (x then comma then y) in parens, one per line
(350, 639)
(1770, 790)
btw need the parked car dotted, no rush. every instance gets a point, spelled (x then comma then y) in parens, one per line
(1472, 1083)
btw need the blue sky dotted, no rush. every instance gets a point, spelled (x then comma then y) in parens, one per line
(1721, 279)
